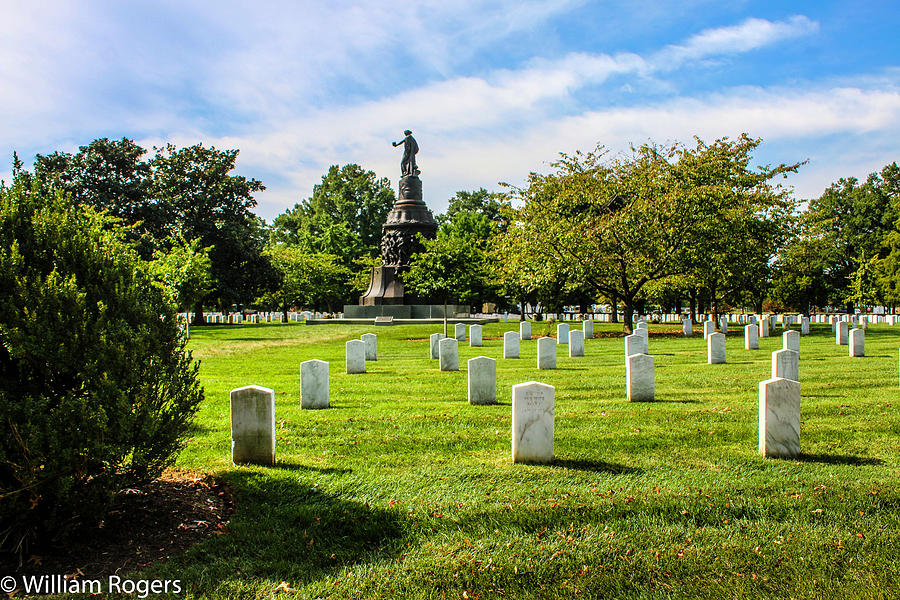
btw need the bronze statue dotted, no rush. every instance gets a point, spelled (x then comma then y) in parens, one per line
(410, 149)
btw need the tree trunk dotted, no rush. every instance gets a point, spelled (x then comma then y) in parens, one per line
(614, 307)
(627, 315)
(692, 305)
(445, 317)
(198, 314)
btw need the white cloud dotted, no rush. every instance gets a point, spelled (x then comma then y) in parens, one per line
(750, 35)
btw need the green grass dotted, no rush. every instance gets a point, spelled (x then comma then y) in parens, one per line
(403, 490)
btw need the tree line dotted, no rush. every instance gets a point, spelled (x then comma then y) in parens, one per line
(676, 227)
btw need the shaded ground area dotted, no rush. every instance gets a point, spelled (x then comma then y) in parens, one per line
(143, 526)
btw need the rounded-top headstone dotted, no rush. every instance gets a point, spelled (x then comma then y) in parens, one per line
(313, 384)
(533, 407)
(482, 372)
(253, 425)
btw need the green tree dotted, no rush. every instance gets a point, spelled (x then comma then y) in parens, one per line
(109, 175)
(614, 226)
(864, 290)
(197, 197)
(853, 219)
(800, 275)
(343, 217)
(307, 280)
(480, 201)
(97, 390)
(449, 267)
(183, 271)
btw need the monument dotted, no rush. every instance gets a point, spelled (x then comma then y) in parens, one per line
(386, 295)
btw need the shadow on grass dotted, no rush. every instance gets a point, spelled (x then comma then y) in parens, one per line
(287, 466)
(594, 466)
(285, 529)
(666, 401)
(839, 459)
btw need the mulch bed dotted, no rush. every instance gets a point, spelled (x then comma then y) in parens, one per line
(143, 526)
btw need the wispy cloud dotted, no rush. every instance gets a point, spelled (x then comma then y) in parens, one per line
(752, 34)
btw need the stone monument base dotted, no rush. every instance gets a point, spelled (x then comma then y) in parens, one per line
(404, 311)
(385, 287)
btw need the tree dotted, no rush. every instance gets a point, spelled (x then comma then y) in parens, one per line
(97, 390)
(109, 175)
(449, 267)
(183, 272)
(864, 283)
(195, 196)
(800, 275)
(343, 217)
(614, 226)
(852, 220)
(311, 280)
(479, 202)
(476, 230)
(748, 237)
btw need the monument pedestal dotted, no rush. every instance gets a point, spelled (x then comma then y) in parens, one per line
(386, 295)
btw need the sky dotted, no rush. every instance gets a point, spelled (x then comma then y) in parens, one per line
(492, 90)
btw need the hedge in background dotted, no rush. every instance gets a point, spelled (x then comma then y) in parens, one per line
(97, 391)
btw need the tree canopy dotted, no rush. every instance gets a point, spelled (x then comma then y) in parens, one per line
(615, 225)
(343, 217)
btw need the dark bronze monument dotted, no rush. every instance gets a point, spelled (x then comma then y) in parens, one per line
(409, 216)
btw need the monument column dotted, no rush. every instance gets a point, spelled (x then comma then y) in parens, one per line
(408, 217)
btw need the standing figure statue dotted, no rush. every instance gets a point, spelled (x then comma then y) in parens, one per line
(410, 149)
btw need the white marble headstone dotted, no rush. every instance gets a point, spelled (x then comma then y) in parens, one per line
(253, 425)
(840, 333)
(644, 333)
(448, 350)
(751, 337)
(779, 418)
(356, 356)
(459, 332)
(546, 353)
(562, 333)
(510, 345)
(804, 325)
(475, 336)
(686, 327)
(433, 340)
(857, 342)
(587, 326)
(576, 343)
(639, 378)
(786, 364)
(791, 340)
(715, 348)
(708, 328)
(371, 342)
(532, 422)
(314, 384)
(635, 344)
(764, 326)
(525, 330)
(482, 380)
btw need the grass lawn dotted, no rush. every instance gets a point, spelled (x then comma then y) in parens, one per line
(403, 490)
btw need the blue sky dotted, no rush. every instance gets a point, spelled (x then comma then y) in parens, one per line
(492, 90)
